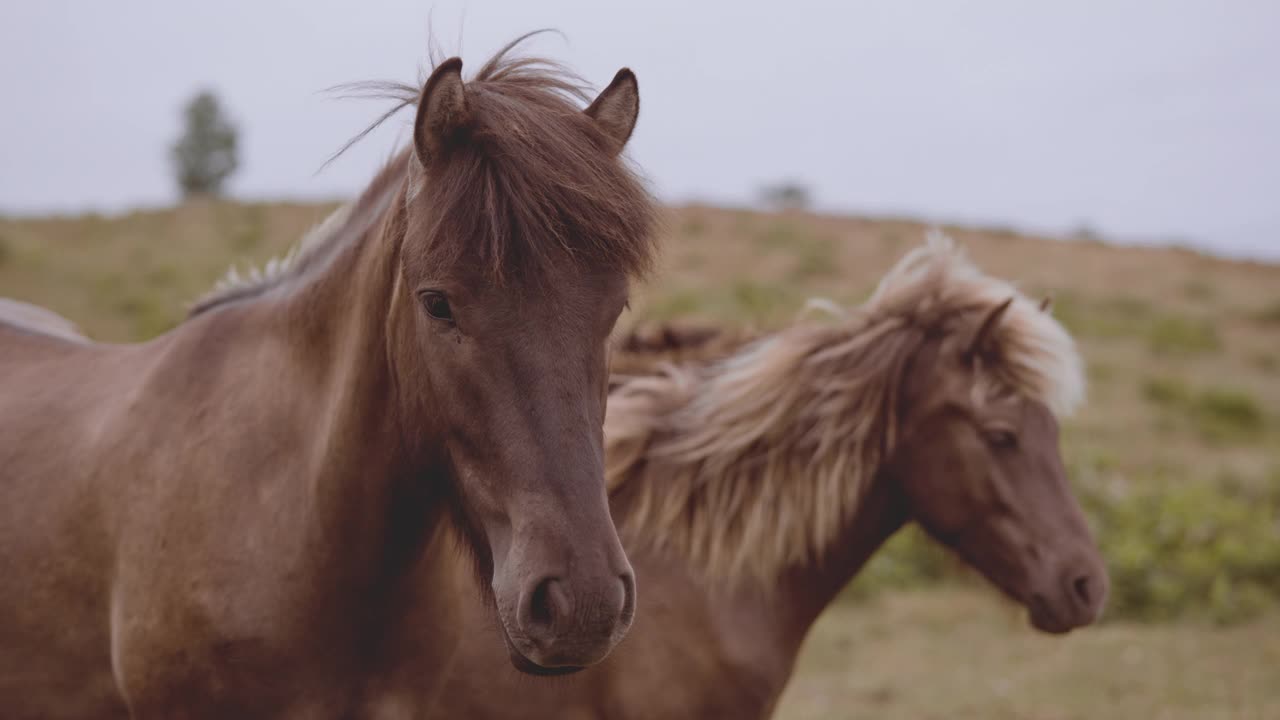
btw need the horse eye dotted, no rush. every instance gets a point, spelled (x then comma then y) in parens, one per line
(1003, 439)
(437, 305)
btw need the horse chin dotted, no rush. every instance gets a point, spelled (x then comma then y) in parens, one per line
(1046, 619)
(528, 667)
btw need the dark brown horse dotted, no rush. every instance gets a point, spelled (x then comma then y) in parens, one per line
(751, 488)
(239, 518)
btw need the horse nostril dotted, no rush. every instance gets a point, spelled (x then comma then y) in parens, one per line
(628, 609)
(548, 603)
(1080, 586)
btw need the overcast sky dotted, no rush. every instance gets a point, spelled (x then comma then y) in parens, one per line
(1145, 120)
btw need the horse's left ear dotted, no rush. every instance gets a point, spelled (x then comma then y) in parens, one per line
(1046, 304)
(979, 344)
(617, 107)
(442, 112)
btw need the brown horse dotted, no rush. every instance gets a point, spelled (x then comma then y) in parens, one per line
(240, 517)
(750, 489)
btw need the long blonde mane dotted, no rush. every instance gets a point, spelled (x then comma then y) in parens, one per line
(755, 463)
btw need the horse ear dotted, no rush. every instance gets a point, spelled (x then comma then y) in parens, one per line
(1046, 304)
(978, 345)
(617, 107)
(442, 111)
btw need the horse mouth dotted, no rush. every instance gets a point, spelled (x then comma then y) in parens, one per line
(1045, 618)
(528, 667)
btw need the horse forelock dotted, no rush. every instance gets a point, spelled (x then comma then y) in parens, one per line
(533, 186)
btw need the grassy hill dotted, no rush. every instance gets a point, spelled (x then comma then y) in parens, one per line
(1176, 453)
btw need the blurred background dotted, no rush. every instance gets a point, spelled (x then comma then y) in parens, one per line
(1121, 157)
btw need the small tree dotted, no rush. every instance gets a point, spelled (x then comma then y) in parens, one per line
(205, 155)
(788, 195)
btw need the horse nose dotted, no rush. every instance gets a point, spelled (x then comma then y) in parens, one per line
(576, 624)
(1087, 589)
(546, 607)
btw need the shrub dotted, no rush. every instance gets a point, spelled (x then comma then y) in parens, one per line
(1114, 317)
(777, 236)
(815, 258)
(1198, 290)
(1166, 392)
(693, 226)
(1269, 314)
(1174, 334)
(1224, 414)
(1217, 414)
(1190, 549)
(757, 301)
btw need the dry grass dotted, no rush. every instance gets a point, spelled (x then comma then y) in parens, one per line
(959, 653)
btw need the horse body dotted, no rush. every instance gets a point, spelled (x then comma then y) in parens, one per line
(752, 485)
(239, 518)
(159, 486)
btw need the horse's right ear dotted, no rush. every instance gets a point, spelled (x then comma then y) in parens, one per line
(979, 343)
(442, 111)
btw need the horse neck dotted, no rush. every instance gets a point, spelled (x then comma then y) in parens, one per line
(335, 321)
(807, 590)
(353, 307)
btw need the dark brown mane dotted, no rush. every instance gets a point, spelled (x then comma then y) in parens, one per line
(535, 184)
(535, 180)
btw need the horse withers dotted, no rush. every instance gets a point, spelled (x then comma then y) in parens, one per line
(239, 517)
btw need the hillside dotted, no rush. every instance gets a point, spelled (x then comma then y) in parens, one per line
(1176, 453)
(1183, 349)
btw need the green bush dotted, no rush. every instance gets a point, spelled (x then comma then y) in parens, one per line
(1266, 362)
(693, 226)
(1166, 392)
(1225, 414)
(1198, 290)
(1216, 414)
(1269, 314)
(1178, 335)
(1191, 549)
(1111, 318)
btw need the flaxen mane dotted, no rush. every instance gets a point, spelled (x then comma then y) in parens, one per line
(753, 463)
(534, 183)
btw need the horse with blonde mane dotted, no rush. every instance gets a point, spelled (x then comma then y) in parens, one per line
(243, 517)
(751, 487)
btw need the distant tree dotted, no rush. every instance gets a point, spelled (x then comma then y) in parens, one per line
(205, 156)
(785, 196)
